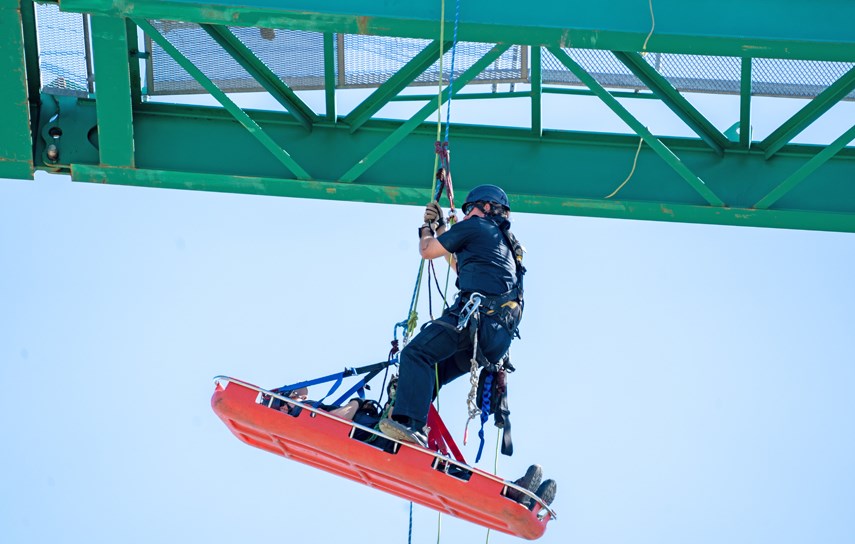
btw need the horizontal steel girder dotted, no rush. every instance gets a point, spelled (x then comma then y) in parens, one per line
(820, 30)
(201, 148)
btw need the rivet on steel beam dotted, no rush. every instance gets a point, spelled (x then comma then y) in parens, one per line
(52, 153)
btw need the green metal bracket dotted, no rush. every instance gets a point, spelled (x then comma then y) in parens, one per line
(395, 84)
(807, 169)
(393, 139)
(667, 155)
(745, 104)
(16, 142)
(248, 123)
(329, 76)
(672, 98)
(277, 88)
(537, 90)
(808, 114)
(111, 55)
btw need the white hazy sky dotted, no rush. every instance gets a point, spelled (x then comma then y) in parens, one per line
(683, 383)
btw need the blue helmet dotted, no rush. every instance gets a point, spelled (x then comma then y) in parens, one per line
(487, 193)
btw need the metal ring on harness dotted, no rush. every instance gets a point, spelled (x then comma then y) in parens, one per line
(469, 309)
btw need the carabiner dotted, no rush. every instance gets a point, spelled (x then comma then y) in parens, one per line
(470, 308)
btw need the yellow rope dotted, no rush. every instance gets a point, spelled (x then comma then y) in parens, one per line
(631, 172)
(652, 26)
(413, 318)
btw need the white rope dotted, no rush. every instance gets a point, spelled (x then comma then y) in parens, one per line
(471, 399)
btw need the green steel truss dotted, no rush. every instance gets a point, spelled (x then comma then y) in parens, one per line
(115, 136)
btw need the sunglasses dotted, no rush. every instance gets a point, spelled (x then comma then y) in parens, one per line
(468, 207)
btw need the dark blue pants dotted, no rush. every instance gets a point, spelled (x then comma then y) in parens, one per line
(451, 352)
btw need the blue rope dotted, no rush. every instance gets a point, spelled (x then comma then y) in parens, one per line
(410, 532)
(451, 75)
(485, 411)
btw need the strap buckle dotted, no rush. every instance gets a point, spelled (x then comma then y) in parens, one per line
(470, 308)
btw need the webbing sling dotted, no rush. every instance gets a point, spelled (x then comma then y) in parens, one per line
(370, 370)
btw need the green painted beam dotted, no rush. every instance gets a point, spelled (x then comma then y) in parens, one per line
(408, 126)
(662, 150)
(521, 94)
(245, 120)
(672, 98)
(805, 30)
(416, 196)
(809, 113)
(329, 76)
(265, 77)
(31, 47)
(16, 142)
(463, 96)
(587, 92)
(809, 167)
(111, 56)
(395, 84)
(205, 142)
(536, 91)
(134, 66)
(745, 103)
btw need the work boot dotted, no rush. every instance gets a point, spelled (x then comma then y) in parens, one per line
(529, 481)
(402, 432)
(546, 491)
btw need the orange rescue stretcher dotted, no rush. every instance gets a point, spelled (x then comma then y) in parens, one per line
(431, 478)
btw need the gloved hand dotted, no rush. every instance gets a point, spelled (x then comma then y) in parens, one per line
(433, 216)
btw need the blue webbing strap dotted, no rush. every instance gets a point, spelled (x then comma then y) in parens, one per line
(307, 383)
(333, 388)
(358, 388)
(338, 377)
(485, 411)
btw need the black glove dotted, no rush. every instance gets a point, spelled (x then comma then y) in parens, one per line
(424, 231)
(433, 216)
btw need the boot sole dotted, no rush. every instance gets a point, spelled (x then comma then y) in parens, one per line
(393, 429)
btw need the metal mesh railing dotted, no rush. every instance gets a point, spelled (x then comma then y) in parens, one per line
(703, 74)
(64, 59)
(371, 60)
(297, 57)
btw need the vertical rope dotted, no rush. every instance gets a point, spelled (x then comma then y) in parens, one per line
(451, 74)
(410, 531)
(495, 471)
(652, 27)
(439, 93)
(413, 316)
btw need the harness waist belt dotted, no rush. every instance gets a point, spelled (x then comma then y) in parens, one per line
(491, 303)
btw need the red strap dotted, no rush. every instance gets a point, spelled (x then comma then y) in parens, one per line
(439, 438)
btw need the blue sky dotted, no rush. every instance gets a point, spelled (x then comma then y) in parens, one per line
(683, 383)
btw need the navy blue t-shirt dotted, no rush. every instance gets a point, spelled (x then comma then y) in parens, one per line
(485, 263)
